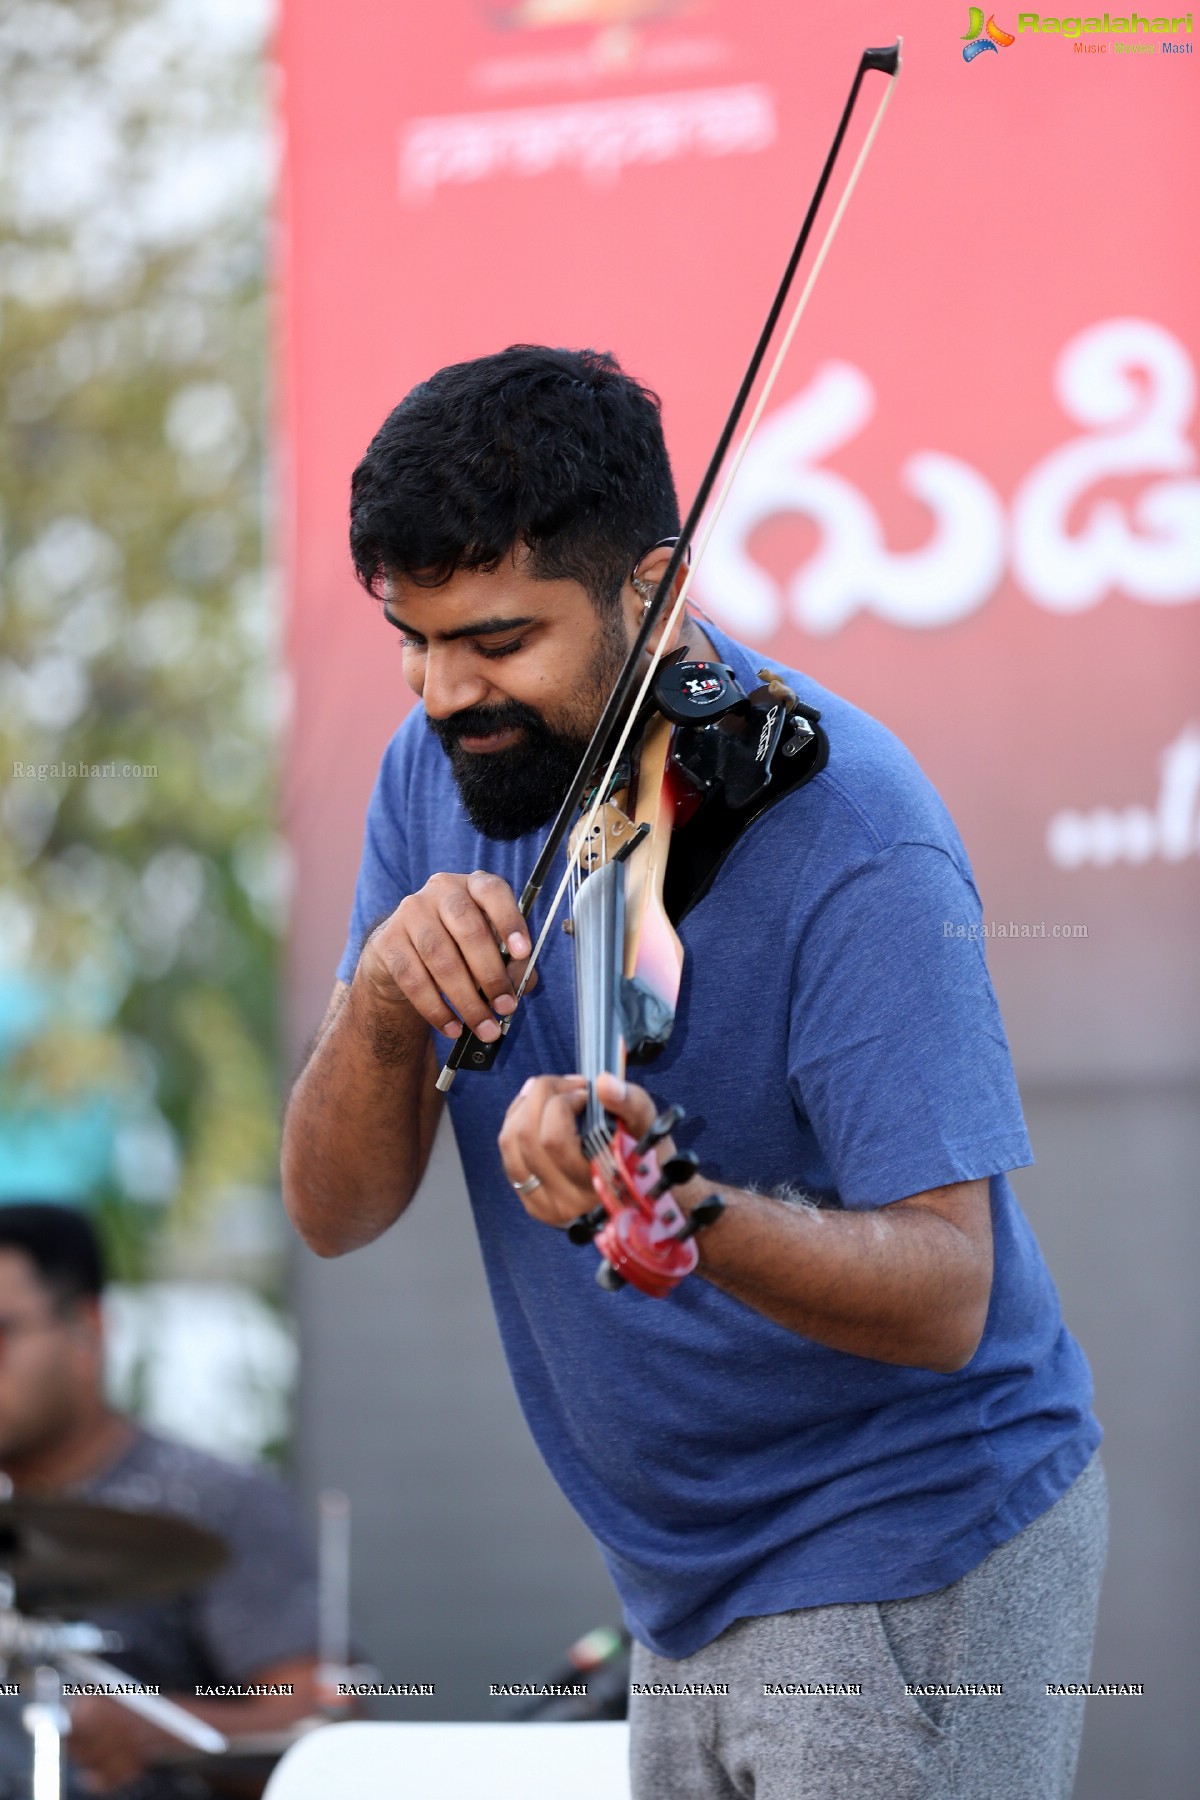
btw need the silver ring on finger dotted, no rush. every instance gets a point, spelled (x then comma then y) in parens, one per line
(527, 1186)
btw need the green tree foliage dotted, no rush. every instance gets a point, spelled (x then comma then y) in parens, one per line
(141, 875)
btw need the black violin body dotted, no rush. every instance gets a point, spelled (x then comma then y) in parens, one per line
(739, 753)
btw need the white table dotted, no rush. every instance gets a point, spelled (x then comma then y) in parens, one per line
(456, 1762)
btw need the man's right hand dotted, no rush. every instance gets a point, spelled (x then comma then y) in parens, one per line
(442, 945)
(363, 1112)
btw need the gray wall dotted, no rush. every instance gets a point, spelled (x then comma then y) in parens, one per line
(1113, 1201)
(469, 1568)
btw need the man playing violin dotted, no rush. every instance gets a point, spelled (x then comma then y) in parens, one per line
(845, 1479)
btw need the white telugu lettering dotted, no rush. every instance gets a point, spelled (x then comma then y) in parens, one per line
(1129, 378)
(1133, 383)
(1170, 831)
(595, 138)
(851, 570)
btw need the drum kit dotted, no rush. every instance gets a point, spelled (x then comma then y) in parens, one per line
(62, 1559)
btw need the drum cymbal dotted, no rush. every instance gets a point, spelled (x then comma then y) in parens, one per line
(67, 1556)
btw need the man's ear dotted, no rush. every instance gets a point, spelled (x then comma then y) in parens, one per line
(644, 587)
(85, 1319)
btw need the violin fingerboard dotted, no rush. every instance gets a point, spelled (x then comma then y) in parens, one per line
(599, 919)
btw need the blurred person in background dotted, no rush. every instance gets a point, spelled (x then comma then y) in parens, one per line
(860, 1452)
(255, 1623)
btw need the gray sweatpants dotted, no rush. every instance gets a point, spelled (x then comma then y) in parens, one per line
(1020, 1620)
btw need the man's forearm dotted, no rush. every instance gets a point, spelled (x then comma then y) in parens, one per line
(902, 1283)
(114, 1745)
(359, 1123)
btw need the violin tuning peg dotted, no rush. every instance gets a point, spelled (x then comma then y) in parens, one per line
(676, 1169)
(662, 1127)
(707, 1213)
(583, 1229)
(608, 1278)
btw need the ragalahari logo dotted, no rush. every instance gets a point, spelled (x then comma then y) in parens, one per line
(974, 45)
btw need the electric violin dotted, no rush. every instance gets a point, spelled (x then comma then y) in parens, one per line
(682, 758)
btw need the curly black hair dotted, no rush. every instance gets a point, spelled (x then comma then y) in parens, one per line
(558, 451)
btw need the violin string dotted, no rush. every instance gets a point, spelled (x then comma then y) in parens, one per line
(598, 949)
(599, 942)
(604, 946)
(606, 983)
(677, 607)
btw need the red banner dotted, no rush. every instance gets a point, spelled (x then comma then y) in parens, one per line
(973, 506)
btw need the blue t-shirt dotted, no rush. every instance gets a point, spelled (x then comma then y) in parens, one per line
(835, 1032)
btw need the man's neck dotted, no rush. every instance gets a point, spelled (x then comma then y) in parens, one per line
(700, 645)
(92, 1444)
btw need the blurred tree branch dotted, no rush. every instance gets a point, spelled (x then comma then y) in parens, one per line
(142, 881)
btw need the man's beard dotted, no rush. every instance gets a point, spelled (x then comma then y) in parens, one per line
(506, 793)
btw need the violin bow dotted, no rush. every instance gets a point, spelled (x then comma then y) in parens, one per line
(468, 1050)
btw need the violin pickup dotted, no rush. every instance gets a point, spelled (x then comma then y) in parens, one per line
(696, 693)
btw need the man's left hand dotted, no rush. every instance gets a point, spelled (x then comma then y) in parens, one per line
(110, 1744)
(540, 1136)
